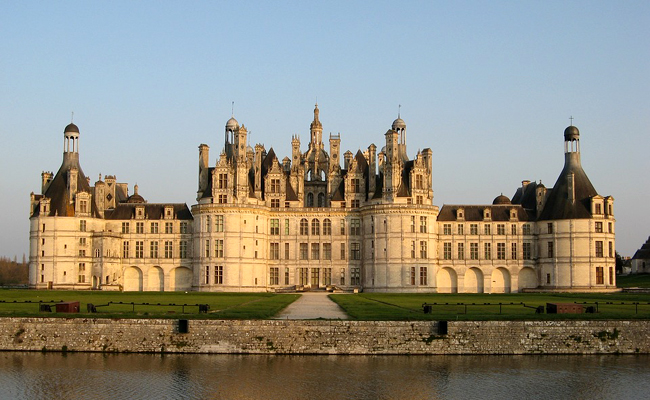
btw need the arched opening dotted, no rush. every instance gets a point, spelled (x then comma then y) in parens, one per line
(474, 281)
(181, 279)
(95, 282)
(322, 175)
(133, 279)
(527, 279)
(156, 279)
(321, 199)
(500, 281)
(310, 199)
(447, 281)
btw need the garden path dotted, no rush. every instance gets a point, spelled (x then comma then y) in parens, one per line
(313, 305)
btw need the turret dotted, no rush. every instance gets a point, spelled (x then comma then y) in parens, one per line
(204, 160)
(372, 170)
(316, 131)
(335, 151)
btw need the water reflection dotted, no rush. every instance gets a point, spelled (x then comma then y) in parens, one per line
(119, 376)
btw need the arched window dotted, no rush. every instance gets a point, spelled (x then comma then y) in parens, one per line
(96, 253)
(321, 199)
(327, 227)
(304, 226)
(315, 227)
(310, 199)
(322, 175)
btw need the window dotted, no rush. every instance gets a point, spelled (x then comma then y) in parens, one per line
(487, 229)
(549, 227)
(303, 276)
(97, 253)
(82, 226)
(222, 199)
(501, 251)
(611, 249)
(549, 248)
(419, 182)
(286, 251)
(412, 224)
(598, 227)
(327, 227)
(355, 276)
(412, 276)
(153, 249)
(356, 188)
(321, 199)
(342, 251)
(315, 251)
(446, 251)
(168, 249)
(82, 241)
(125, 227)
(473, 251)
(208, 223)
(599, 208)
(513, 251)
(169, 227)
(413, 249)
(342, 227)
(418, 200)
(304, 227)
(526, 229)
(218, 275)
(513, 229)
(183, 249)
(275, 203)
(83, 206)
(327, 251)
(275, 226)
(610, 227)
(139, 227)
(355, 251)
(207, 247)
(327, 276)
(355, 227)
(315, 227)
(461, 229)
(274, 275)
(355, 203)
(599, 248)
(218, 248)
(611, 275)
(423, 275)
(423, 224)
(304, 251)
(548, 279)
(139, 249)
(600, 279)
(461, 251)
(275, 186)
(342, 275)
(527, 249)
(310, 199)
(487, 247)
(446, 229)
(184, 226)
(82, 267)
(223, 181)
(286, 226)
(473, 229)
(423, 249)
(125, 249)
(154, 227)
(286, 276)
(501, 229)
(218, 223)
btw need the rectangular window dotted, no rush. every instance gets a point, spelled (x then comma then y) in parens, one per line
(549, 248)
(527, 249)
(139, 249)
(355, 227)
(513, 229)
(611, 275)
(342, 227)
(446, 250)
(82, 226)
(286, 226)
(423, 249)
(423, 275)
(223, 181)
(412, 276)
(599, 248)
(222, 199)
(315, 251)
(327, 251)
(487, 229)
(125, 249)
(218, 275)
(327, 227)
(169, 227)
(355, 251)
(168, 249)
(286, 276)
(423, 224)
(315, 227)
(274, 251)
(183, 227)
(342, 276)
(342, 251)
(412, 224)
(82, 241)
(153, 249)
(207, 247)
(473, 251)
(610, 227)
(501, 251)
(461, 251)
(611, 249)
(275, 203)
(139, 227)
(218, 223)
(513, 251)
(207, 274)
(304, 227)
(488, 250)
(413, 249)
(183, 249)
(355, 276)
(303, 275)
(446, 229)
(275, 226)
(286, 251)
(125, 227)
(473, 229)
(461, 229)
(274, 275)
(598, 227)
(275, 186)
(501, 229)
(154, 227)
(526, 229)
(549, 227)
(600, 278)
(218, 248)
(304, 251)
(208, 223)
(327, 276)
(356, 187)
(599, 208)
(355, 203)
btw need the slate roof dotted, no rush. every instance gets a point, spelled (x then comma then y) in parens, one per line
(475, 212)
(152, 211)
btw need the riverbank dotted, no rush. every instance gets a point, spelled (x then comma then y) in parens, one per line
(324, 336)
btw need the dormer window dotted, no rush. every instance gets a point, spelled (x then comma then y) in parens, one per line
(169, 212)
(486, 214)
(598, 208)
(139, 212)
(460, 214)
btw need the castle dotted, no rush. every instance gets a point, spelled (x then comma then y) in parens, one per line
(265, 224)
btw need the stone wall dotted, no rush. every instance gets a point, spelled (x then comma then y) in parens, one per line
(325, 337)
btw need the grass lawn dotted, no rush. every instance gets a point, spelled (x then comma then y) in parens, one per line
(633, 280)
(397, 307)
(222, 305)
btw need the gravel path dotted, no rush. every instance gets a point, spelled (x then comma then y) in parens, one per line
(312, 305)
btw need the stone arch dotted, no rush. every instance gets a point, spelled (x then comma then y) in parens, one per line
(500, 281)
(133, 279)
(527, 278)
(181, 279)
(310, 199)
(447, 281)
(156, 279)
(321, 199)
(474, 281)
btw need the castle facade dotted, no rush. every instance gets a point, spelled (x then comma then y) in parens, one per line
(310, 221)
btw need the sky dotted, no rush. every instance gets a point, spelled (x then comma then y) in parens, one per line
(488, 86)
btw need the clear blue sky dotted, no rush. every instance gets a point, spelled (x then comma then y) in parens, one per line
(488, 86)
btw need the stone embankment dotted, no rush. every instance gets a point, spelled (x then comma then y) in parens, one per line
(324, 337)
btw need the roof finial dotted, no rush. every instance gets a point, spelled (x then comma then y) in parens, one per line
(571, 118)
(232, 110)
(399, 111)
(72, 117)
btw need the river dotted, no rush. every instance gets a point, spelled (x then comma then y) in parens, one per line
(148, 376)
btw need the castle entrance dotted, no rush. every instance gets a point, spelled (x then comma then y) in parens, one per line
(315, 277)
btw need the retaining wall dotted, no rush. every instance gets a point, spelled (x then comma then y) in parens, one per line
(324, 337)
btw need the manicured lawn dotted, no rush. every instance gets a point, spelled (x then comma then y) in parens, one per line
(635, 280)
(222, 305)
(381, 306)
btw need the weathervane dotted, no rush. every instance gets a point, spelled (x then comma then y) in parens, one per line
(571, 118)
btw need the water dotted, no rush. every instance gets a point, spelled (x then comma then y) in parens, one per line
(137, 376)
